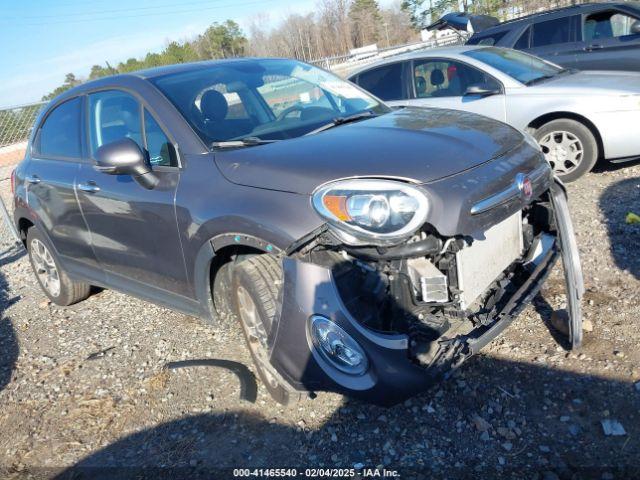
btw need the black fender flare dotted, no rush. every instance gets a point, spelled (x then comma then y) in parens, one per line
(206, 256)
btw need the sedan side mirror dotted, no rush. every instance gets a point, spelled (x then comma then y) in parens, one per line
(482, 90)
(125, 157)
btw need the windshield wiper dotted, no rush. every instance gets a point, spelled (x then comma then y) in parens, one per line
(342, 120)
(242, 142)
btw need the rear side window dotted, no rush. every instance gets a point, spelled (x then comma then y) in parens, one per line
(551, 32)
(384, 82)
(59, 135)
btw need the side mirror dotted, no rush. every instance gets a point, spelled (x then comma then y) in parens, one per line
(635, 28)
(482, 90)
(125, 157)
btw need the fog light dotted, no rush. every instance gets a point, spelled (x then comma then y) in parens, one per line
(338, 347)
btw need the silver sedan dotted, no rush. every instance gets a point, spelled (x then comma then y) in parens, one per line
(577, 117)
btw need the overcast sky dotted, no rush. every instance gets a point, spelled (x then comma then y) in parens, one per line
(42, 40)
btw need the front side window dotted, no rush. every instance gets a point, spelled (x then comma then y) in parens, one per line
(384, 82)
(551, 32)
(59, 135)
(114, 115)
(262, 99)
(443, 78)
(521, 66)
(610, 24)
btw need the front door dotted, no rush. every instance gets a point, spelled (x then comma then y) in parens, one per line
(610, 41)
(133, 230)
(443, 83)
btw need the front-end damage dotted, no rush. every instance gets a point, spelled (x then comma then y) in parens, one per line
(419, 308)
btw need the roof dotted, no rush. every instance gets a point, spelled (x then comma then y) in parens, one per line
(451, 50)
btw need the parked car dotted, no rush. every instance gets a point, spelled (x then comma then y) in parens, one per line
(364, 250)
(576, 117)
(591, 36)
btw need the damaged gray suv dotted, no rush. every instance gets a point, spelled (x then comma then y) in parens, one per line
(364, 250)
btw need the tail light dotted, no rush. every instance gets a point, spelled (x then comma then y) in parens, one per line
(13, 182)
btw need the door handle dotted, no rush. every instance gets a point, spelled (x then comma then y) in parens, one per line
(89, 187)
(33, 179)
(591, 48)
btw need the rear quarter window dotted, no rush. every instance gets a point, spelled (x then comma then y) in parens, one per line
(59, 134)
(487, 40)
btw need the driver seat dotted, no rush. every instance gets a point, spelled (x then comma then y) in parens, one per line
(214, 109)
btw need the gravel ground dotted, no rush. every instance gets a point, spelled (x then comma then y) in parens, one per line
(85, 386)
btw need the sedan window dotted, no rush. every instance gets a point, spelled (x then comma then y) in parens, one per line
(442, 78)
(384, 82)
(521, 66)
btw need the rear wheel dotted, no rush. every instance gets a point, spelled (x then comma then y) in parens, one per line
(256, 282)
(569, 147)
(55, 282)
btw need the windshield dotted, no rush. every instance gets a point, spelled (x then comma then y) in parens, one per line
(524, 68)
(262, 99)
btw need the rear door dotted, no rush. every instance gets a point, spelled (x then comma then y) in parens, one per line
(56, 158)
(442, 83)
(610, 41)
(554, 40)
(133, 230)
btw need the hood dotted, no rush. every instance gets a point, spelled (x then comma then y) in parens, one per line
(464, 22)
(422, 145)
(593, 82)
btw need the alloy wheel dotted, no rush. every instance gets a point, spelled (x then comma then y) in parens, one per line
(45, 267)
(563, 150)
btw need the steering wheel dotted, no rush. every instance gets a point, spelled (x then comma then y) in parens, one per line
(287, 111)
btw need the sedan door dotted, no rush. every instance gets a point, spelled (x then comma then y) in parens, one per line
(610, 41)
(133, 229)
(444, 83)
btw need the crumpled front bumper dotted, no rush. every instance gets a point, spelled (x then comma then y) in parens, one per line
(392, 376)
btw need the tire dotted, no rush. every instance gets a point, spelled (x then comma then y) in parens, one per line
(256, 282)
(53, 280)
(569, 146)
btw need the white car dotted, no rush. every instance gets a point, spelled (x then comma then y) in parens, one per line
(577, 117)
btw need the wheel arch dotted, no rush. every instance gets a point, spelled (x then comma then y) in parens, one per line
(213, 256)
(564, 115)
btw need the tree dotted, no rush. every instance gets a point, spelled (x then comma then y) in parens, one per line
(224, 40)
(366, 21)
(70, 81)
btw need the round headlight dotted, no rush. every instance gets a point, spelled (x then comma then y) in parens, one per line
(337, 347)
(378, 212)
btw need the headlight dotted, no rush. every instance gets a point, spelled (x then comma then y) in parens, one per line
(533, 143)
(378, 212)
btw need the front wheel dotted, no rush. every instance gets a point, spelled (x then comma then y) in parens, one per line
(55, 282)
(256, 283)
(569, 147)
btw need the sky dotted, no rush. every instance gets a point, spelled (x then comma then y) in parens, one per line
(42, 40)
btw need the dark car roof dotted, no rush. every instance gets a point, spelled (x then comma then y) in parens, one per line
(557, 13)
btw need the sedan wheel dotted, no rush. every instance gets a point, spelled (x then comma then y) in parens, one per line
(569, 147)
(563, 150)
